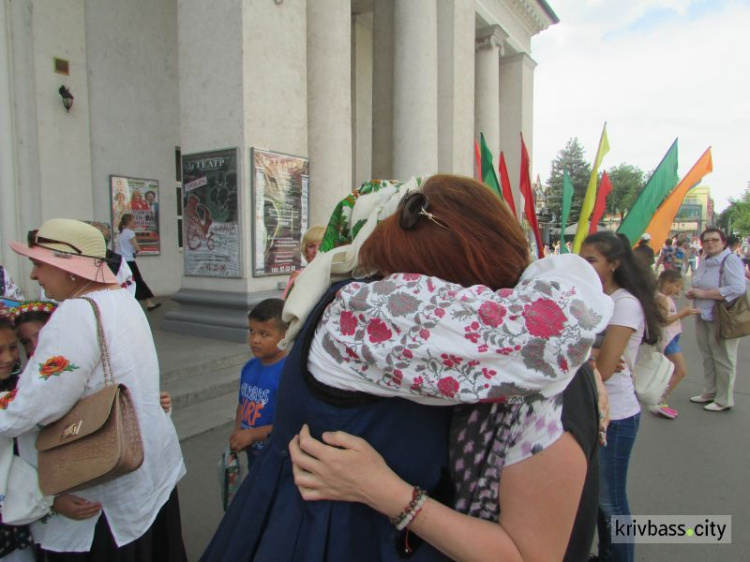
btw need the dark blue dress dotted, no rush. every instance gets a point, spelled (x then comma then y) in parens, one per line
(268, 520)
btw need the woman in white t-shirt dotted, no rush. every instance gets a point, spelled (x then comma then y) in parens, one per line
(127, 246)
(635, 319)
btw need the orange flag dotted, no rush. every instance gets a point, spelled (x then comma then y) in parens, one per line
(605, 186)
(505, 182)
(661, 222)
(525, 184)
(477, 162)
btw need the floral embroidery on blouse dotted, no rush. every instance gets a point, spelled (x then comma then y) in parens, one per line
(429, 337)
(54, 366)
(7, 398)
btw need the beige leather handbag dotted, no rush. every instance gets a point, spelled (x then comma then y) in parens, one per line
(96, 441)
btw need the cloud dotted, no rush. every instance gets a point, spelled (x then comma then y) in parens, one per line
(653, 70)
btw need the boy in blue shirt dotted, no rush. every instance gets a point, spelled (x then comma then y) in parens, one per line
(260, 379)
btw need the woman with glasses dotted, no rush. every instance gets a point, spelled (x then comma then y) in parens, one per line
(719, 277)
(136, 516)
(446, 311)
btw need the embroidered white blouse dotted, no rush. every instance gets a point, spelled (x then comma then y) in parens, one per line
(66, 366)
(439, 343)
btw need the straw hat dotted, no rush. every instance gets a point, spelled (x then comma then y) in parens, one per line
(70, 245)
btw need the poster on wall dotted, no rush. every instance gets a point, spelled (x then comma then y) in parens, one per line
(140, 198)
(280, 187)
(210, 224)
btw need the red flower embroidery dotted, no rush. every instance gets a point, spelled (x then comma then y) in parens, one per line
(411, 276)
(544, 319)
(54, 366)
(417, 384)
(407, 353)
(439, 312)
(424, 334)
(492, 314)
(7, 398)
(448, 386)
(378, 331)
(348, 323)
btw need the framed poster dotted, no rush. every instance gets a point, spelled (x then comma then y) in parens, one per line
(140, 198)
(210, 223)
(280, 188)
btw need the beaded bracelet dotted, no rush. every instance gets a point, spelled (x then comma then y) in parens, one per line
(403, 519)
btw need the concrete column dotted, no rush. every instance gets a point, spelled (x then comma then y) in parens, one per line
(362, 55)
(329, 105)
(415, 88)
(382, 88)
(516, 112)
(489, 49)
(8, 184)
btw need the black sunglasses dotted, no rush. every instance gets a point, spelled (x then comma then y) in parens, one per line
(33, 239)
(412, 206)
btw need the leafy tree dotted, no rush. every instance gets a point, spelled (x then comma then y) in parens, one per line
(627, 183)
(579, 171)
(736, 218)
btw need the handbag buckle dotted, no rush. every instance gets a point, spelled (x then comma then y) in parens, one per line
(72, 430)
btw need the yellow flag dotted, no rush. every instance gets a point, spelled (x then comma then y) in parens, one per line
(590, 198)
(661, 222)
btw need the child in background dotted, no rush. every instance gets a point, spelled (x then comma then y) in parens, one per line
(260, 379)
(670, 286)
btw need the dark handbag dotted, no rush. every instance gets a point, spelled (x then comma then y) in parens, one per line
(96, 441)
(734, 317)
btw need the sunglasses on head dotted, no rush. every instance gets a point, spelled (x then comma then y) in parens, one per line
(33, 239)
(412, 207)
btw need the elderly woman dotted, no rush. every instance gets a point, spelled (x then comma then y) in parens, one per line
(453, 315)
(719, 277)
(135, 516)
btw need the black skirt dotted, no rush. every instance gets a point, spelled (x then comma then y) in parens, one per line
(142, 291)
(161, 543)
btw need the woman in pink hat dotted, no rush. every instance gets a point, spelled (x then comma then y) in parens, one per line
(135, 516)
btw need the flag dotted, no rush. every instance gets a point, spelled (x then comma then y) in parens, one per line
(605, 186)
(567, 200)
(525, 185)
(489, 177)
(505, 181)
(661, 222)
(478, 161)
(661, 183)
(588, 200)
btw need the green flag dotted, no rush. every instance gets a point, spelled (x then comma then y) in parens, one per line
(489, 177)
(662, 182)
(567, 200)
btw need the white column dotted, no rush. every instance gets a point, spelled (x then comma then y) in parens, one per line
(329, 105)
(382, 89)
(516, 112)
(8, 185)
(489, 49)
(415, 88)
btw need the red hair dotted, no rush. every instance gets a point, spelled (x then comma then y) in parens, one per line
(482, 244)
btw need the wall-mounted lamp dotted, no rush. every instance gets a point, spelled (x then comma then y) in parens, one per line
(67, 98)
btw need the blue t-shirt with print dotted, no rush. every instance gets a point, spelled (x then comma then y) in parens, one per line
(257, 398)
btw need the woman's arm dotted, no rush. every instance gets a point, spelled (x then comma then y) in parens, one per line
(539, 497)
(135, 244)
(612, 349)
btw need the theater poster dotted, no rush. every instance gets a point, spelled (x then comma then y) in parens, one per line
(280, 188)
(210, 224)
(140, 198)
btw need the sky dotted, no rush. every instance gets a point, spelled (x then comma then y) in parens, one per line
(653, 70)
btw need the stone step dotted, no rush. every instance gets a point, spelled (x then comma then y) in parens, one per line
(205, 415)
(199, 367)
(211, 383)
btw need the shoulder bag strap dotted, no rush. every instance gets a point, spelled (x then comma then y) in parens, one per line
(106, 365)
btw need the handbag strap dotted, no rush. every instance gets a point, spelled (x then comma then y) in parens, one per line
(103, 349)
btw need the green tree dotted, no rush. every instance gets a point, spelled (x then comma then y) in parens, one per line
(579, 170)
(627, 183)
(735, 219)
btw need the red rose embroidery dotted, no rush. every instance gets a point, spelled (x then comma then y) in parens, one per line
(417, 384)
(424, 334)
(411, 276)
(54, 366)
(448, 386)
(544, 319)
(439, 312)
(7, 398)
(408, 354)
(492, 314)
(348, 323)
(378, 331)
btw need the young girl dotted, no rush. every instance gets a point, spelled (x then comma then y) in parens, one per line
(670, 285)
(15, 541)
(636, 318)
(127, 246)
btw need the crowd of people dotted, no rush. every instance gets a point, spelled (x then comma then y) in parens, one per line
(424, 389)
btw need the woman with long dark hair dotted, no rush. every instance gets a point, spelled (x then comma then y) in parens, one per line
(636, 318)
(127, 246)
